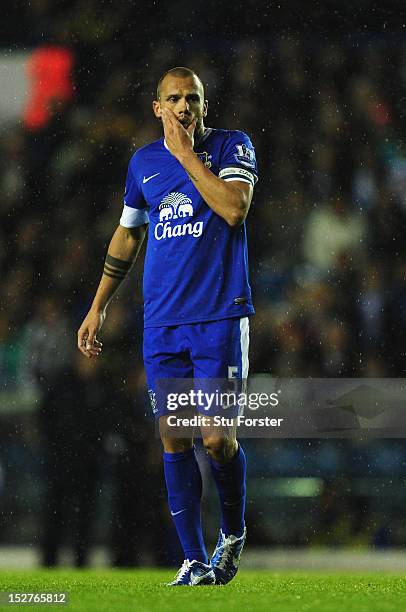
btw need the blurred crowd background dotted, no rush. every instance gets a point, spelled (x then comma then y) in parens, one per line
(79, 461)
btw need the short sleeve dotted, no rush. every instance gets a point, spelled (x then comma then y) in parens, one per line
(238, 161)
(135, 208)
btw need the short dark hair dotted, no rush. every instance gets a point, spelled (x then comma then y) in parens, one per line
(180, 71)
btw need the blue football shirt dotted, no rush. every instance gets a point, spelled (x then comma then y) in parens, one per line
(196, 265)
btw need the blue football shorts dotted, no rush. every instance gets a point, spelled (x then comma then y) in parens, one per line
(210, 350)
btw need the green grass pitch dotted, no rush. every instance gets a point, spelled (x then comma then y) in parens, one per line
(144, 590)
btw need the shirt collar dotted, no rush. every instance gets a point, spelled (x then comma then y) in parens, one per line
(205, 134)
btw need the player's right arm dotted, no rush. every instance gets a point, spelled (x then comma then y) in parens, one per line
(122, 252)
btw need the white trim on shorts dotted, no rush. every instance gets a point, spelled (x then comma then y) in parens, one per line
(244, 343)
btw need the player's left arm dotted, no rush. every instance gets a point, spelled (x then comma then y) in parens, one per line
(231, 200)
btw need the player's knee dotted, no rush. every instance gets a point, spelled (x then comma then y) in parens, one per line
(176, 445)
(219, 448)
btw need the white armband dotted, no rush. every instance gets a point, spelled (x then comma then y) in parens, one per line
(133, 217)
(238, 174)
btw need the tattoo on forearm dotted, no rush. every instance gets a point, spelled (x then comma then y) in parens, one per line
(116, 268)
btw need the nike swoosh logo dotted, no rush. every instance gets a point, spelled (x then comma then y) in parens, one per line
(196, 579)
(148, 178)
(179, 511)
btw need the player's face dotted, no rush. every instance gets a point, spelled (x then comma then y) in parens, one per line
(185, 97)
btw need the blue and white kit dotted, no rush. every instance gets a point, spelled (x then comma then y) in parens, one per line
(197, 295)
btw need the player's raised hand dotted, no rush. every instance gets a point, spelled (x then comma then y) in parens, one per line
(178, 139)
(87, 341)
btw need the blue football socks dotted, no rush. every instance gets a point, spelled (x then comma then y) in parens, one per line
(184, 486)
(230, 482)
